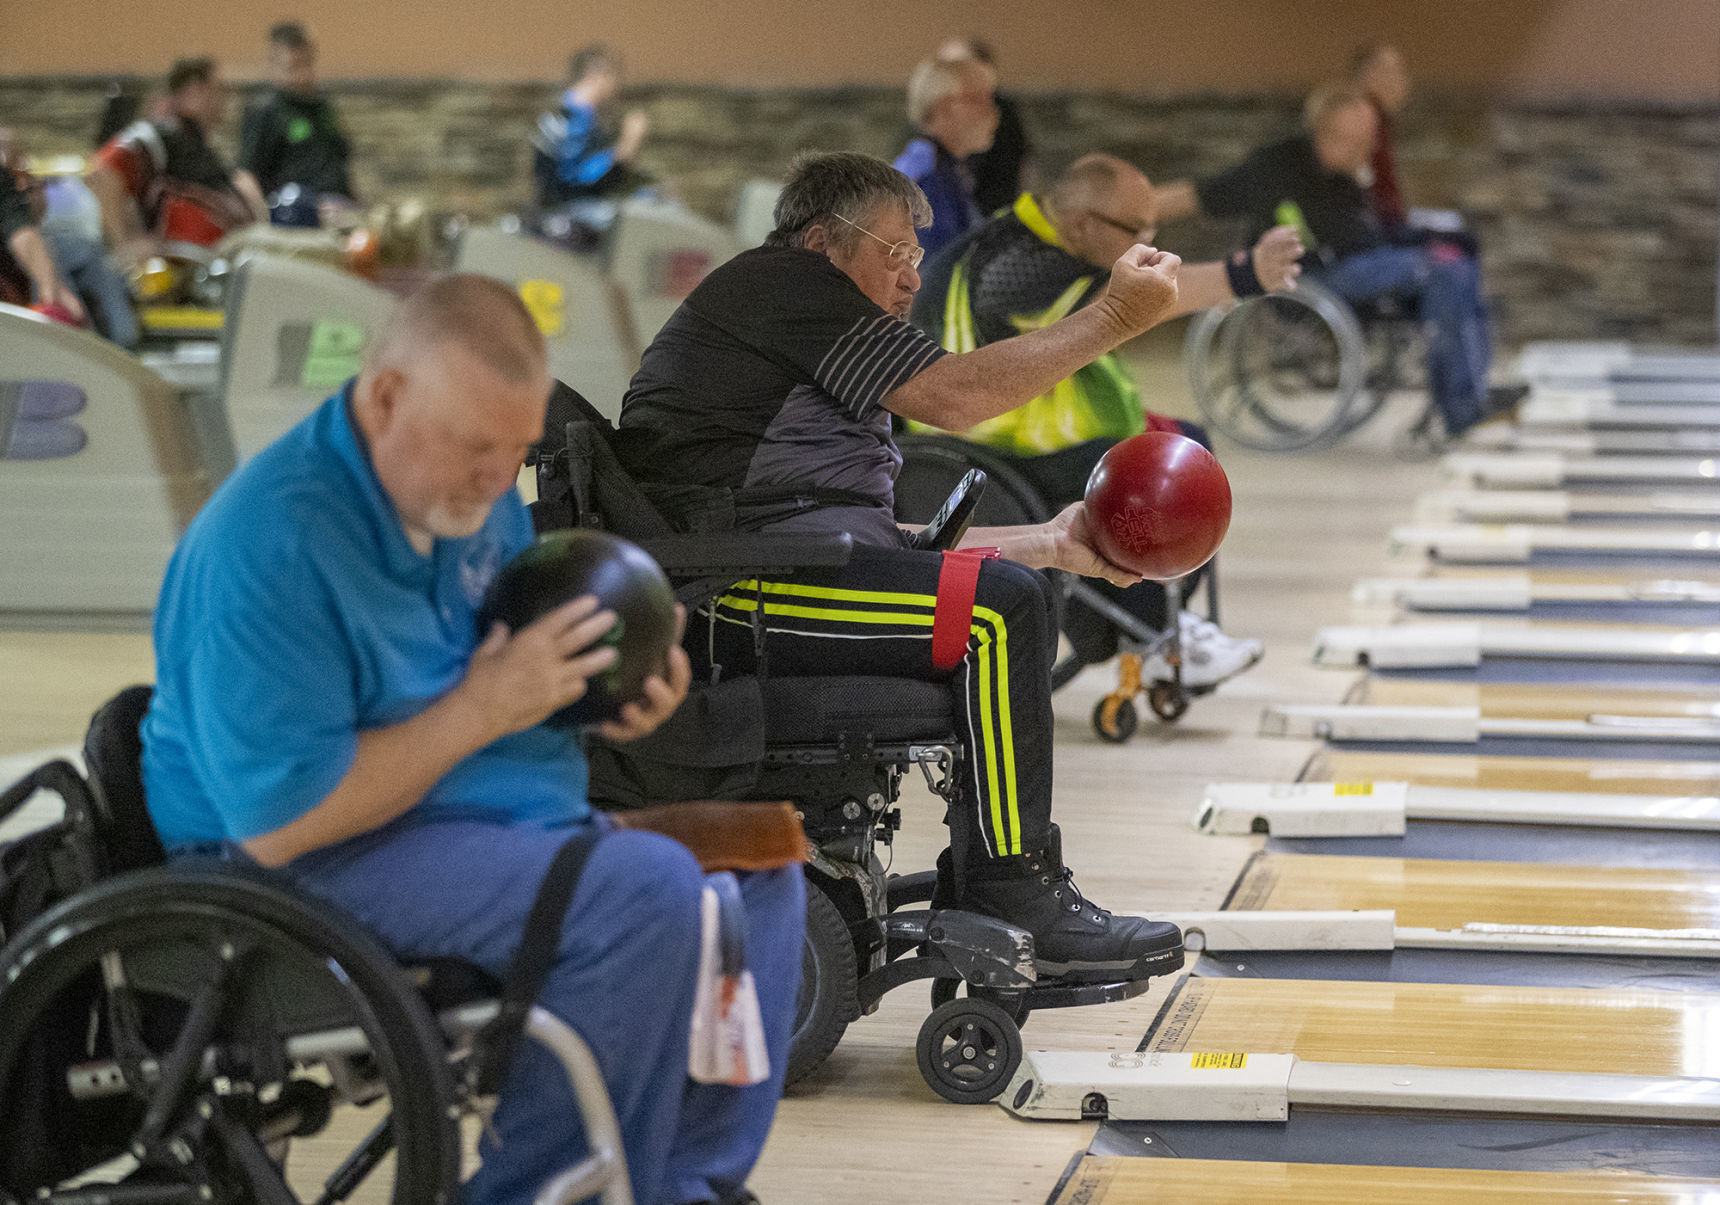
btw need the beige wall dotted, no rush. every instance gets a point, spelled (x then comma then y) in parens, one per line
(1635, 49)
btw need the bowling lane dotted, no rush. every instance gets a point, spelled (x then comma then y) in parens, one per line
(1448, 894)
(1115, 1180)
(1446, 1025)
(1537, 702)
(1608, 776)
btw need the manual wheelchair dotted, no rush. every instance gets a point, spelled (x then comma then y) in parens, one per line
(839, 747)
(1299, 370)
(167, 1032)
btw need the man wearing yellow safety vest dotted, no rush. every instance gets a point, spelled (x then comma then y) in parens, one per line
(1028, 267)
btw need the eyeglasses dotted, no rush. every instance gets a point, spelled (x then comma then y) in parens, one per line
(1133, 229)
(900, 253)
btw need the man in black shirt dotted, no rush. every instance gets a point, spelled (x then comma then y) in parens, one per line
(1312, 182)
(780, 374)
(160, 180)
(292, 142)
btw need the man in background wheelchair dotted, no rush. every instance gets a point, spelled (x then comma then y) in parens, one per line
(325, 706)
(1313, 180)
(783, 370)
(1032, 265)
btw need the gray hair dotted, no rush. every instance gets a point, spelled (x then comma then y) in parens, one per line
(940, 77)
(824, 184)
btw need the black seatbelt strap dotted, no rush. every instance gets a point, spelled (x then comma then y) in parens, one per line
(495, 1044)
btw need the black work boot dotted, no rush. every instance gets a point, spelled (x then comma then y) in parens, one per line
(1074, 940)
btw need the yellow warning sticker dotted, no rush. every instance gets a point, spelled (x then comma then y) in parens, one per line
(1229, 1061)
(1352, 788)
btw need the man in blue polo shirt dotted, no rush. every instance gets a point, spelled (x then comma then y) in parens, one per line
(325, 705)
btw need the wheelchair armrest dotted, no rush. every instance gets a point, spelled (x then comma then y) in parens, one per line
(745, 555)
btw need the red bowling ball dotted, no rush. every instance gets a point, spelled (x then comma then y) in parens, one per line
(1158, 504)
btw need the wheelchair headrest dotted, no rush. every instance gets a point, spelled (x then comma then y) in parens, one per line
(113, 754)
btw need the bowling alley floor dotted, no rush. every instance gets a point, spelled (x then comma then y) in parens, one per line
(865, 1128)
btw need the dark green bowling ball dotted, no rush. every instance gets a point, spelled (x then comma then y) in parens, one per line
(559, 568)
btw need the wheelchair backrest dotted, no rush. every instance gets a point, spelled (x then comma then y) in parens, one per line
(113, 756)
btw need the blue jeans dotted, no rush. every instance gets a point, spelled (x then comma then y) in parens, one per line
(1448, 284)
(86, 268)
(625, 979)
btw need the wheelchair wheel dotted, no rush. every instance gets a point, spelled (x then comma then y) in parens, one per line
(1168, 702)
(1281, 372)
(828, 978)
(171, 1031)
(968, 1051)
(1115, 720)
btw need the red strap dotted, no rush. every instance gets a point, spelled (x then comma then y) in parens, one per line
(958, 581)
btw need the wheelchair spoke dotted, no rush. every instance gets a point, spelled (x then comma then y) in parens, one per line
(261, 1177)
(358, 1165)
(185, 1059)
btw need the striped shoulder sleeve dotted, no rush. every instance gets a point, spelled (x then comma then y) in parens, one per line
(876, 355)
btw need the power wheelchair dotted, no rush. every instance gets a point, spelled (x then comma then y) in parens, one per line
(1095, 627)
(838, 747)
(1300, 370)
(169, 1031)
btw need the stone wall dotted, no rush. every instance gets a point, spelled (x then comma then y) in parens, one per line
(1597, 221)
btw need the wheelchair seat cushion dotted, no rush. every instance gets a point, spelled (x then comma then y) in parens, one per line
(802, 711)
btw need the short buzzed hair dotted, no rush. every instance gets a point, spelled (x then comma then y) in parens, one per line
(483, 316)
(1088, 181)
(1328, 99)
(824, 184)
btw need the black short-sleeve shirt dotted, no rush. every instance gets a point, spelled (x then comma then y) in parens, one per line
(290, 139)
(773, 373)
(1334, 206)
(16, 212)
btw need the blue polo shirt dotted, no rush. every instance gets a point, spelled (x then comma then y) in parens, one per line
(294, 615)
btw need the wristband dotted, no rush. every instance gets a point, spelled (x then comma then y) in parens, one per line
(1239, 268)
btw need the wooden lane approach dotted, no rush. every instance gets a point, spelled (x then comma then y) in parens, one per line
(1120, 1180)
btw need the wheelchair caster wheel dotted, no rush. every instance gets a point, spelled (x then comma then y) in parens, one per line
(968, 1051)
(944, 990)
(1115, 719)
(1168, 703)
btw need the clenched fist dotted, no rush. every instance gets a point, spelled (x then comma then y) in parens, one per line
(1275, 259)
(1143, 288)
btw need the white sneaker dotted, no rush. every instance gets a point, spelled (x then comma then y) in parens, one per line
(1208, 655)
